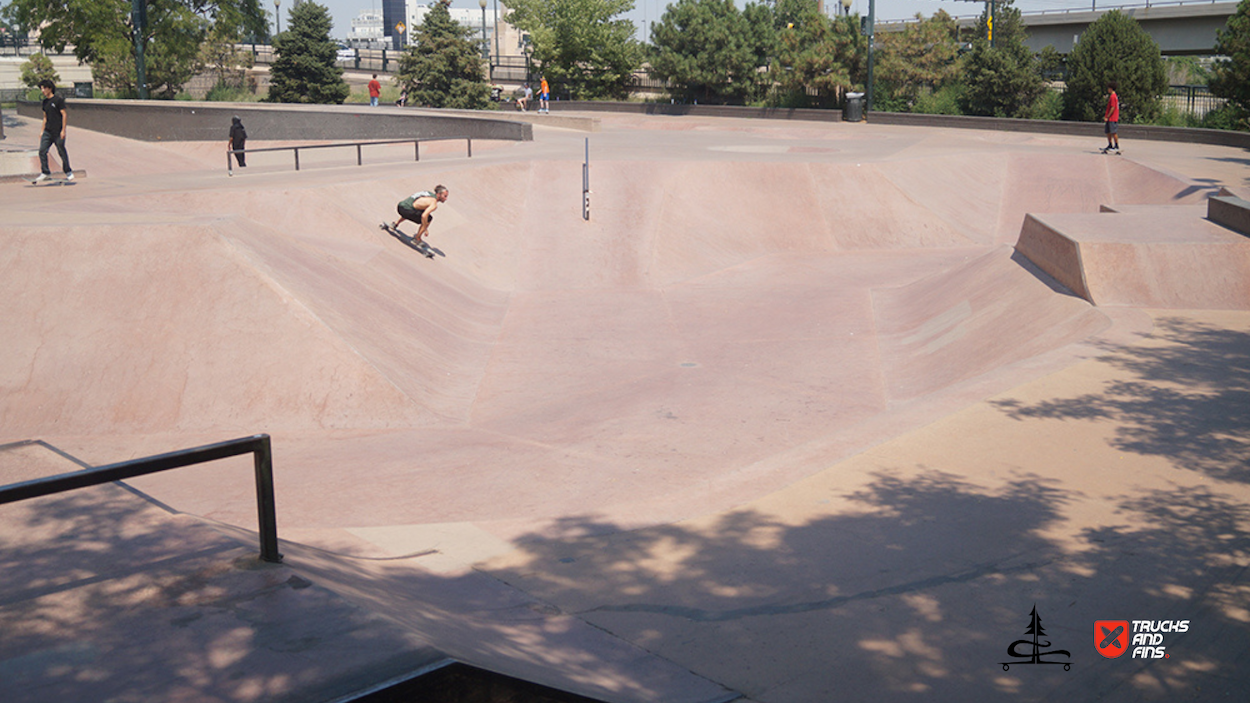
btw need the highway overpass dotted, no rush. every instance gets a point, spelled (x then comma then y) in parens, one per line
(1178, 28)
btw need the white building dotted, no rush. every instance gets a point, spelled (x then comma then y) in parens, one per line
(465, 17)
(367, 31)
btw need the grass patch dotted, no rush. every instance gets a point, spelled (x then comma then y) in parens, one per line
(360, 94)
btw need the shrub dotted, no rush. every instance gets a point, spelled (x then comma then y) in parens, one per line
(38, 68)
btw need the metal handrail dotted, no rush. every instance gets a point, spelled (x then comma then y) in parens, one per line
(416, 145)
(257, 445)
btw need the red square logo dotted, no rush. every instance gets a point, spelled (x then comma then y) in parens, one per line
(1111, 637)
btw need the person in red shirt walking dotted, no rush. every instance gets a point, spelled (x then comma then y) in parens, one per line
(375, 90)
(1112, 117)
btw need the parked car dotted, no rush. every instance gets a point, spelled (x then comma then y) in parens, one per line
(346, 53)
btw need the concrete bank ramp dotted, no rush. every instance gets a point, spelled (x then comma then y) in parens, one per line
(990, 312)
(290, 309)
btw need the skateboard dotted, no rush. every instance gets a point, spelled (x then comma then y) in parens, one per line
(52, 181)
(421, 246)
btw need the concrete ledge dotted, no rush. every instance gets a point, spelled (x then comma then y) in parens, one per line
(1217, 137)
(580, 123)
(770, 113)
(155, 120)
(1054, 253)
(1230, 211)
(1159, 257)
(27, 175)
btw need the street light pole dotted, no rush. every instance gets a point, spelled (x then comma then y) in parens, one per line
(485, 44)
(277, 18)
(139, 23)
(872, 12)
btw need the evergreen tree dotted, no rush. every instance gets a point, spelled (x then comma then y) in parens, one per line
(1231, 76)
(443, 67)
(1001, 80)
(1051, 64)
(1115, 48)
(922, 58)
(706, 48)
(579, 45)
(763, 33)
(305, 70)
(814, 54)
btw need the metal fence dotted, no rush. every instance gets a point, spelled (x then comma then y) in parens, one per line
(1193, 99)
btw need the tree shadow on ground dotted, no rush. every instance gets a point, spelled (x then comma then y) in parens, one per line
(909, 588)
(914, 590)
(1189, 402)
(104, 596)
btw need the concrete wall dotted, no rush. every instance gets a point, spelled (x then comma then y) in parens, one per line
(1128, 131)
(154, 121)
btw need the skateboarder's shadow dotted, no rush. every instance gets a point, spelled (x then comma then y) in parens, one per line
(424, 249)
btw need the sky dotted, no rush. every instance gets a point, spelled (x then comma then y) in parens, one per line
(342, 11)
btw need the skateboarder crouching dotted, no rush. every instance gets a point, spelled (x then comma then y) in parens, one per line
(419, 208)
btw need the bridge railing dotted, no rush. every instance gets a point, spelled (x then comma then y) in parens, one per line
(1094, 6)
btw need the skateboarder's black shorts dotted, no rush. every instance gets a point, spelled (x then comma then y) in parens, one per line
(1110, 127)
(411, 214)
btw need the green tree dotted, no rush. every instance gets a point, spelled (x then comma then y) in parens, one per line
(1230, 77)
(38, 68)
(763, 32)
(305, 70)
(220, 57)
(102, 35)
(814, 55)
(919, 60)
(443, 66)
(579, 45)
(1115, 48)
(1051, 64)
(1002, 79)
(707, 49)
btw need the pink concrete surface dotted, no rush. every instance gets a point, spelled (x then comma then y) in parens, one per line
(749, 304)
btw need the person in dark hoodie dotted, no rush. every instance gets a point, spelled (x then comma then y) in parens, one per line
(238, 139)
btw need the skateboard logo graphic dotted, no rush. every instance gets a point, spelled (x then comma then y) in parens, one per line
(1111, 637)
(1032, 649)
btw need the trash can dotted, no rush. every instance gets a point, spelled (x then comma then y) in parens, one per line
(82, 90)
(854, 111)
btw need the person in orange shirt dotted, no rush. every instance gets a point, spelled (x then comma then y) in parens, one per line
(544, 94)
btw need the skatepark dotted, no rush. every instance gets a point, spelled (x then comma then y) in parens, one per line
(803, 412)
